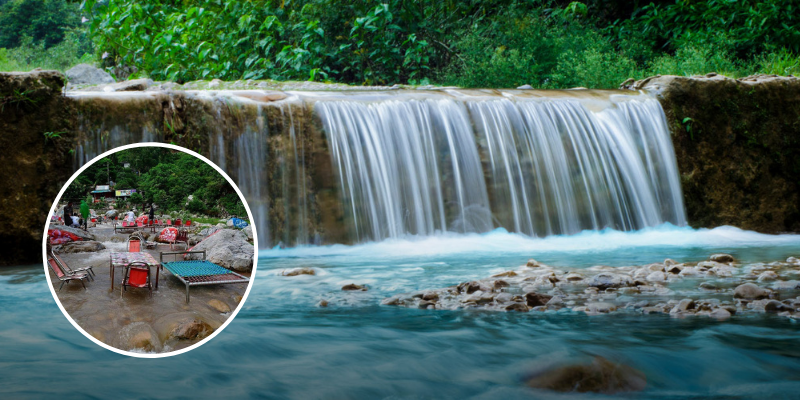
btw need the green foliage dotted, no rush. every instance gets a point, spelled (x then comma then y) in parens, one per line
(161, 177)
(43, 21)
(696, 55)
(469, 43)
(782, 62)
(74, 49)
(749, 26)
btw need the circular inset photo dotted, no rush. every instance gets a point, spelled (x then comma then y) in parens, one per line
(149, 250)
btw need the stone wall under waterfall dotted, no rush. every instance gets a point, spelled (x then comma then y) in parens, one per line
(343, 166)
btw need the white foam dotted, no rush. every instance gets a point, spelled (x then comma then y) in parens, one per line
(501, 241)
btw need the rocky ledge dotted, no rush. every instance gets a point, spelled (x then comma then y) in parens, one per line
(718, 288)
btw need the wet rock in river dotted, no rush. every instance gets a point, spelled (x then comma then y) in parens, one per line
(657, 276)
(426, 305)
(786, 285)
(601, 376)
(519, 307)
(469, 287)
(722, 258)
(396, 300)
(506, 274)
(500, 284)
(767, 276)
(183, 326)
(299, 271)
(683, 306)
(219, 306)
(534, 299)
(774, 306)
(191, 330)
(720, 314)
(600, 307)
(793, 260)
(504, 298)
(689, 271)
(750, 291)
(533, 264)
(354, 287)
(138, 336)
(607, 280)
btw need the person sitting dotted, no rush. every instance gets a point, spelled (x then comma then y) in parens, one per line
(76, 222)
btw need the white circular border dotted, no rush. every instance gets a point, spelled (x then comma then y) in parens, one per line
(150, 355)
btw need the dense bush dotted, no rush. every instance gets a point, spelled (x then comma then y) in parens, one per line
(471, 43)
(42, 34)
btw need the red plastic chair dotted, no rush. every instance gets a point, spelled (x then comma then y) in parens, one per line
(137, 274)
(178, 222)
(188, 222)
(169, 222)
(134, 246)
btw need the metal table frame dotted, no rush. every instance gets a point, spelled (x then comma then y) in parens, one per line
(188, 283)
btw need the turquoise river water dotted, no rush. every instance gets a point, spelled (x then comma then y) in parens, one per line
(282, 345)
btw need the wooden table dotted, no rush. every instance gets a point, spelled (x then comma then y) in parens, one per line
(120, 260)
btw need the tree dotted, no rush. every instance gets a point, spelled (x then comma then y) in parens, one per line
(41, 20)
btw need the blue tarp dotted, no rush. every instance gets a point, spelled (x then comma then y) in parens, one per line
(239, 223)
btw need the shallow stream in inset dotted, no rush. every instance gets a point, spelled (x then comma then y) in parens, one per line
(281, 345)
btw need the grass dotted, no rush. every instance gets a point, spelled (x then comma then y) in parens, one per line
(71, 51)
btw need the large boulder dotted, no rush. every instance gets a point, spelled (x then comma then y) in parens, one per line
(248, 231)
(84, 235)
(229, 249)
(600, 376)
(138, 336)
(183, 326)
(85, 74)
(82, 247)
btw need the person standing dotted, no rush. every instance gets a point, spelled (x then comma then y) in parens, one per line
(68, 214)
(152, 214)
(85, 214)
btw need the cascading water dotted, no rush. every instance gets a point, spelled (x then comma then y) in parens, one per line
(551, 166)
(395, 163)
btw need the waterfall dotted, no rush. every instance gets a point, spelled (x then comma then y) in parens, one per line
(538, 166)
(344, 167)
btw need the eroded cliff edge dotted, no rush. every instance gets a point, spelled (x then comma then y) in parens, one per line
(737, 143)
(37, 124)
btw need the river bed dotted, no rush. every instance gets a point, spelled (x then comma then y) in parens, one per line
(283, 345)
